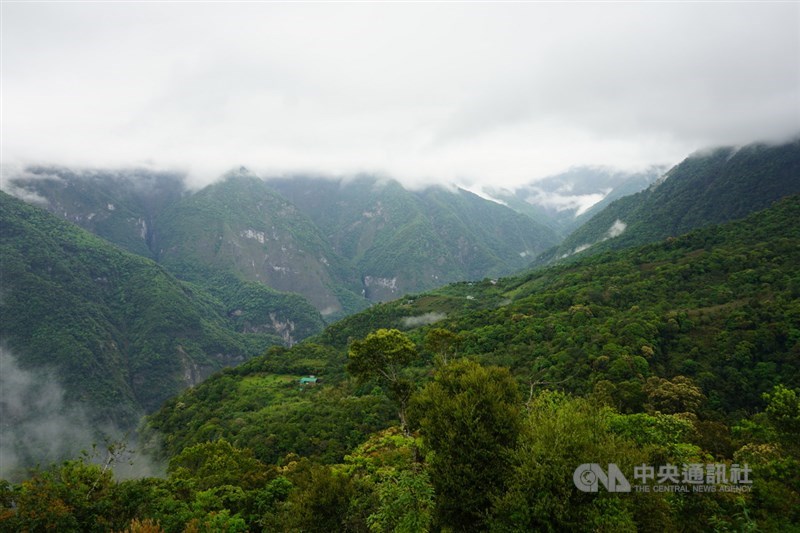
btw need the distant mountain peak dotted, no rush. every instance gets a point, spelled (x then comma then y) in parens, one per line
(709, 187)
(241, 172)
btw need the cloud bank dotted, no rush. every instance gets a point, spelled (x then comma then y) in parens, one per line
(38, 427)
(478, 93)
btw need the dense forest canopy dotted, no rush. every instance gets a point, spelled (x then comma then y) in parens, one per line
(681, 354)
(399, 267)
(708, 187)
(112, 320)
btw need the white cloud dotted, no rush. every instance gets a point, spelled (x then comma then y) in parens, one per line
(483, 194)
(422, 320)
(38, 425)
(561, 200)
(12, 187)
(481, 93)
(616, 229)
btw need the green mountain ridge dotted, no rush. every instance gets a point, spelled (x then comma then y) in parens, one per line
(673, 354)
(719, 305)
(708, 187)
(121, 331)
(120, 206)
(339, 244)
(682, 356)
(239, 225)
(404, 241)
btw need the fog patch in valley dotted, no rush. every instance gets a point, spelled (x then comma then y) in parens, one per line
(40, 427)
(423, 320)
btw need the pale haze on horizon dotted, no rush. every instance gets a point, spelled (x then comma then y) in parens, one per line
(495, 94)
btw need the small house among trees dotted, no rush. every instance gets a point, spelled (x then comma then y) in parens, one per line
(310, 380)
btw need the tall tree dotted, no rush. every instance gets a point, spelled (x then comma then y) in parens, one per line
(442, 343)
(469, 417)
(383, 354)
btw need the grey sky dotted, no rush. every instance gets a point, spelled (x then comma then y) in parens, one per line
(497, 93)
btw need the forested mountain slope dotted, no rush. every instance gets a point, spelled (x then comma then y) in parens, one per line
(241, 226)
(681, 356)
(404, 241)
(120, 206)
(718, 305)
(708, 187)
(338, 244)
(121, 332)
(691, 344)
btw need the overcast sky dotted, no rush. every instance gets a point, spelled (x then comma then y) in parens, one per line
(497, 93)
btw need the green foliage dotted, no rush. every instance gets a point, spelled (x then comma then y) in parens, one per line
(388, 464)
(73, 497)
(261, 405)
(679, 352)
(119, 206)
(605, 326)
(384, 354)
(783, 410)
(678, 395)
(558, 434)
(420, 239)
(468, 417)
(239, 229)
(213, 464)
(405, 503)
(322, 501)
(121, 332)
(442, 343)
(665, 437)
(706, 188)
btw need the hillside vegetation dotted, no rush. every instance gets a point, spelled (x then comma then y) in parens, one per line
(708, 187)
(719, 306)
(402, 241)
(683, 352)
(242, 227)
(471, 407)
(121, 332)
(339, 245)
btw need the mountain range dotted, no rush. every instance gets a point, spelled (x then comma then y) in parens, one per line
(708, 187)
(692, 306)
(185, 282)
(339, 244)
(566, 201)
(687, 349)
(212, 312)
(120, 331)
(403, 241)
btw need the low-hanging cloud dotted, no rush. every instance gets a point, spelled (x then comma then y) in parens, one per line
(14, 179)
(477, 93)
(39, 427)
(563, 201)
(616, 229)
(423, 320)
